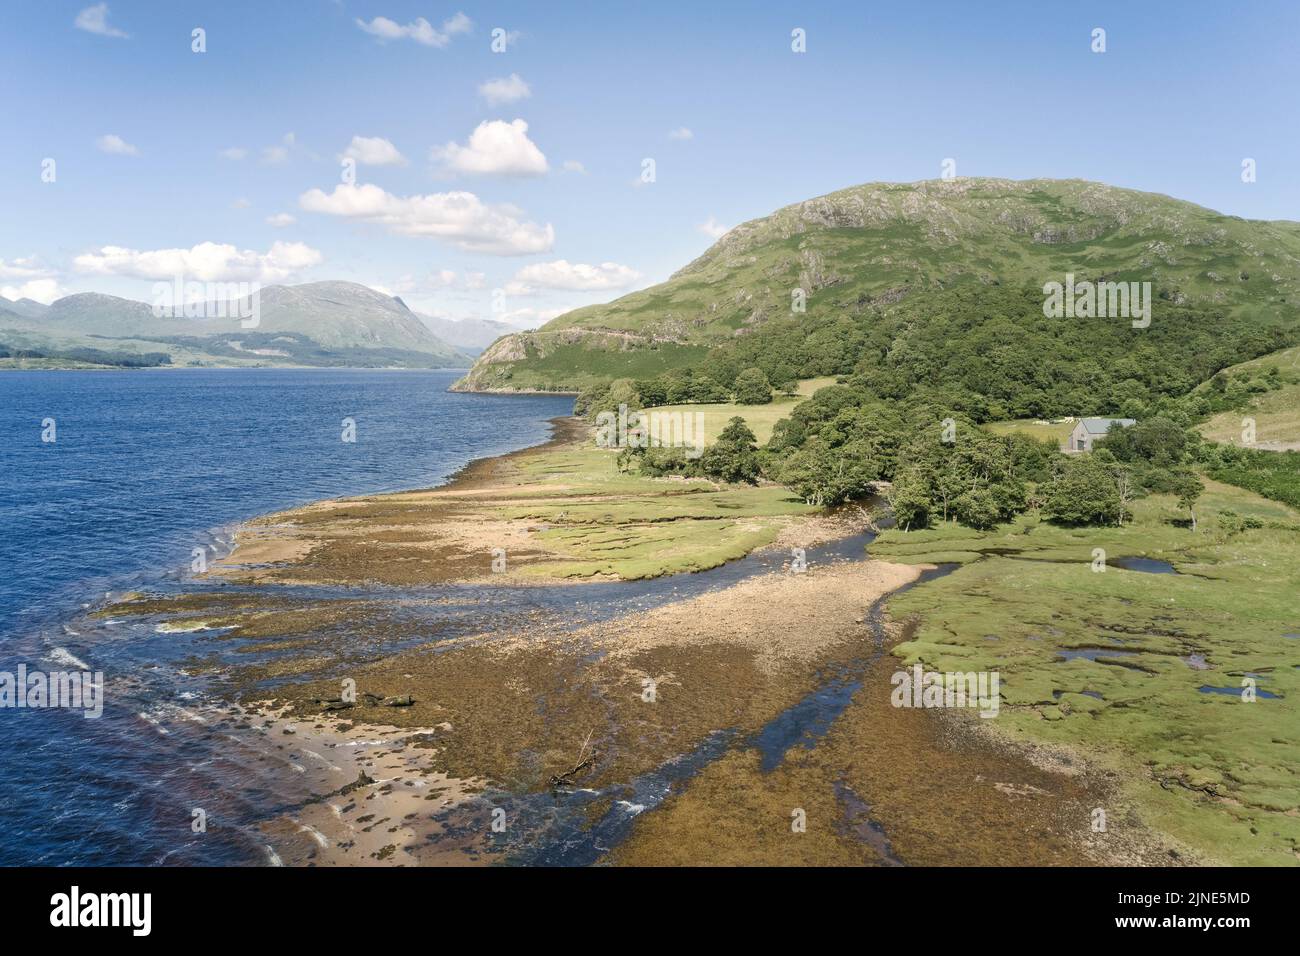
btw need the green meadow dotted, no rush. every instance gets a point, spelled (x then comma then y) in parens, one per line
(599, 521)
(761, 419)
(1111, 663)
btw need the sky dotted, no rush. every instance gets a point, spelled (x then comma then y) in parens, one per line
(506, 178)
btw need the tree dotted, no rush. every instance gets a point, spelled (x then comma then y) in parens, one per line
(752, 388)
(734, 456)
(909, 497)
(1083, 492)
(1188, 488)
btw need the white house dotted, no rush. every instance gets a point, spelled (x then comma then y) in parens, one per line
(1088, 430)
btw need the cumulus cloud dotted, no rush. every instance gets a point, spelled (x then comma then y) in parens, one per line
(681, 132)
(115, 145)
(573, 166)
(44, 291)
(280, 220)
(460, 218)
(240, 203)
(95, 20)
(206, 262)
(712, 228)
(373, 151)
(571, 277)
(505, 89)
(420, 30)
(495, 148)
(28, 268)
(234, 152)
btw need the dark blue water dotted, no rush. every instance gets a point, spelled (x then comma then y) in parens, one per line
(146, 466)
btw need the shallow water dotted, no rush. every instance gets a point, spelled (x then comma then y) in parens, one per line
(147, 466)
(1145, 565)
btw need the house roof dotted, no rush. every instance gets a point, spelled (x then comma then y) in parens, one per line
(1100, 426)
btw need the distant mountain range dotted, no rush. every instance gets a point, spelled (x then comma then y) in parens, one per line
(468, 335)
(316, 324)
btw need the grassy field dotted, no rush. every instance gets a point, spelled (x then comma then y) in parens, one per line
(1276, 413)
(1046, 431)
(760, 418)
(599, 521)
(595, 520)
(1213, 770)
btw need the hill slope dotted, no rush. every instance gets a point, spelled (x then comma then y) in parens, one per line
(868, 247)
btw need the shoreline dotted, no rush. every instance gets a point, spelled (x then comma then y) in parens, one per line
(493, 713)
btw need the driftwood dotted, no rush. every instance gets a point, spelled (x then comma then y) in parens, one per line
(565, 779)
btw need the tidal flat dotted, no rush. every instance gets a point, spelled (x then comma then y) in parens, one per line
(590, 703)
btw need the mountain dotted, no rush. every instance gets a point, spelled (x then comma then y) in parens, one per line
(25, 308)
(867, 248)
(320, 323)
(468, 335)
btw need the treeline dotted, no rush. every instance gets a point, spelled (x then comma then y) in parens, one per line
(988, 352)
(89, 356)
(678, 387)
(836, 446)
(918, 378)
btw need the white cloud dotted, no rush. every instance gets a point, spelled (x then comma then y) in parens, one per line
(505, 89)
(240, 203)
(234, 152)
(457, 217)
(495, 148)
(573, 166)
(681, 132)
(206, 262)
(27, 268)
(95, 20)
(529, 318)
(571, 277)
(420, 30)
(712, 228)
(280, 220)
(439, 280)
(116, 145)
(277, 155)
(44, 291)
(373, 151)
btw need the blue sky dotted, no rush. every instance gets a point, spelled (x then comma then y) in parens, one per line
(1182, 94)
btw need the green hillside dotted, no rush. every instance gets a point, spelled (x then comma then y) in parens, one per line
(1266, 389)
(861, 251)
